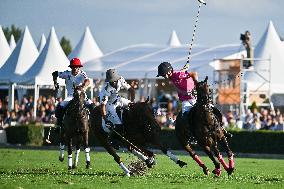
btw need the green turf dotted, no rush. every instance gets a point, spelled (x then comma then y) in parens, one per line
(41, 169)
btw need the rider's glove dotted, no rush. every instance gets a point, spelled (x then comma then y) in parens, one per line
(55, 74)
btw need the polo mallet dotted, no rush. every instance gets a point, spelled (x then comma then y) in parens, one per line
(128, 142)
(47, 140)
(56, 91)
(186, 66)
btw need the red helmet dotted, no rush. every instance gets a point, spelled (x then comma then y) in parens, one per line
(75, 62)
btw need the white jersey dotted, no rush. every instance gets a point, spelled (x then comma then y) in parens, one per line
(110, 94)
(70, 79)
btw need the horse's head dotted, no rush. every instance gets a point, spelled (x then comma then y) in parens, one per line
(203, 92)
(79, 94)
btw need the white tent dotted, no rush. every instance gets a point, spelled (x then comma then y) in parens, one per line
(41, 43)
(141, 61)
(5, 50)
(12, 43)
(265, 71)
(87, 48)
(174, 41)
(51, 58)
(21, 58)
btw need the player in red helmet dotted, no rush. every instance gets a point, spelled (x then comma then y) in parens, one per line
(77, 77)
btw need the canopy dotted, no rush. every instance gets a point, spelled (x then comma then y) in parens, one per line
(51, 58)
(141, 61)
(12, 43)
(41, 43)
(4, 48)
(269, 66)
(21, 59)
(87, 48)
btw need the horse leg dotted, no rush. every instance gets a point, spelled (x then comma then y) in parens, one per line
(87, 149)
(144, 155)
(75, 164)
(173, 157)
(183, 141)
(230, 154)
(61, 146)
(196, 158)
(217, 170)
(69, 142)
(112, 152)
(220, 157)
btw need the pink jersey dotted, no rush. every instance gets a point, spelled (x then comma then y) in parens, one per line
(183, 83)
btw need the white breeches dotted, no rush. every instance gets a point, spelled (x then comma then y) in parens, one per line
(111, 114)
(187, 105)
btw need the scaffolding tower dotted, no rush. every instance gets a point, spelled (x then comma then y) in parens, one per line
(231, 90)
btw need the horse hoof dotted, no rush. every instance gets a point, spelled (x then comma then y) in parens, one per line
(230, 171)
(128, 174)
(206, 171)
(150, 162)
(74, 166)
(88, 165)
(217, 172)
(61, 159)
(181, 163)
(69, 167)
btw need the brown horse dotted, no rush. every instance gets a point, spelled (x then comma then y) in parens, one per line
(139, 129)
(75, 128)
(205, 125)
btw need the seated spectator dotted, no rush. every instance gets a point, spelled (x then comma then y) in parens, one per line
(255, 125)
(247, 123)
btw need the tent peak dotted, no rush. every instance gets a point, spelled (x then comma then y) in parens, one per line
(174, 41)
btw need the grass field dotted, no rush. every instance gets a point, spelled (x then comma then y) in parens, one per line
(23, 169)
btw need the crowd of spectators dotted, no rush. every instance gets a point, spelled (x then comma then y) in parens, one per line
(256, 119)
(166, 108)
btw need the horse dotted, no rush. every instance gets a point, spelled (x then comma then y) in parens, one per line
(205, 124)
(75, 128)
(139, 129)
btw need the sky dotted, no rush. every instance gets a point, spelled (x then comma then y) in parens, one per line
(118, 23)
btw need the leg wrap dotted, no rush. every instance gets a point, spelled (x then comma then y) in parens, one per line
(139, 155)
(87, 151)
(70, 160)
(231, 162)
(198, 160)
(222, 161)
(172, 156)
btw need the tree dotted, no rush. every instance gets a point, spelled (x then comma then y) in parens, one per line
(66, 45)
(253, 106)
(17, 32)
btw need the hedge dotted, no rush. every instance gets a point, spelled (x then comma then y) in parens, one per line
(271, 142)
(26, 134)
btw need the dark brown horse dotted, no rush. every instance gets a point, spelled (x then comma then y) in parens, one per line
(205, 125)
(75, 128)
(139, 129)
